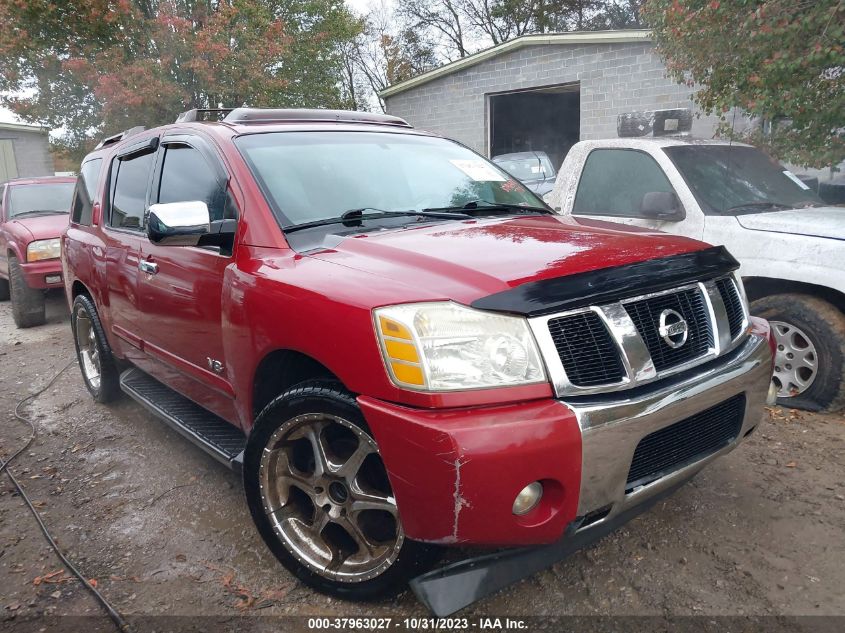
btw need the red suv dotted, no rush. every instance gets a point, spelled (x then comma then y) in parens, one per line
(33, 214)
(399, 344)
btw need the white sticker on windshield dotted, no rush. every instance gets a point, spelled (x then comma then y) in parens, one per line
(795, 179)
(478, 170)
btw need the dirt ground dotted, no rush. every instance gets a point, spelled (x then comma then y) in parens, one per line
(163, 528)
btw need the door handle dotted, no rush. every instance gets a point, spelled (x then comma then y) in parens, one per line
(151, 268)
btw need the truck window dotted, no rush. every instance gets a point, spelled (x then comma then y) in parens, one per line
(129, 191)
(186, 176)
(83, 196)
(614, 182)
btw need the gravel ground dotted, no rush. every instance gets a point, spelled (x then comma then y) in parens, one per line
(164, 531)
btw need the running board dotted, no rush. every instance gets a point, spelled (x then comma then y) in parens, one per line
(211, 433)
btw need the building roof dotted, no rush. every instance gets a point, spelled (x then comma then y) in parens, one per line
(575, 37)
(23, 127)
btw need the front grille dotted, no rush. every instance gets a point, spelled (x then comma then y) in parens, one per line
(645, 314)
(733, 304)
(586, 349)
(685, 442)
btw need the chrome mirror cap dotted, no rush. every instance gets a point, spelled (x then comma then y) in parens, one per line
(178, 223)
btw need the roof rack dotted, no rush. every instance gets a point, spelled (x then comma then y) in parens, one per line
(202, 114)
(111, 140)
(277, 115)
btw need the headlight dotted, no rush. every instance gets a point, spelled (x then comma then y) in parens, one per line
(43, 249)
(446, 347)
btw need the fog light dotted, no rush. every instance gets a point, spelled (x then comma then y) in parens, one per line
(53, 279)
(772, 396)
(528, 498)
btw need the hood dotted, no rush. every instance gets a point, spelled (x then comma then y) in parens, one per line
(541, 187)
(470, 259)
(40, 227)
(814, 222)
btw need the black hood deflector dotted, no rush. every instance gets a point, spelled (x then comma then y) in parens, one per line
(606, 285)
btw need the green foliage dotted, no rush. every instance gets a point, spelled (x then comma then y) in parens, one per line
(98, 67)
(782, 61)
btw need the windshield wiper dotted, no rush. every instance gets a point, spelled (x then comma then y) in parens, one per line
(36, 212)
(762, 204)
(486, 205)
(353, 217)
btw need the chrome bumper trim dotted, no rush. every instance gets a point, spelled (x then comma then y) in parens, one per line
(610, 431)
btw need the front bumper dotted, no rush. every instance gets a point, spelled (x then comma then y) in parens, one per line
(455, 472)
(43, 274)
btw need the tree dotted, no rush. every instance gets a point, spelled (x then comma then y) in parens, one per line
(782, 61)
(388, 52)
(97, 67)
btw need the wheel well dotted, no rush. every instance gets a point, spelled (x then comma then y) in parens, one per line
(281, 370)
(758, 287)
(78, 288)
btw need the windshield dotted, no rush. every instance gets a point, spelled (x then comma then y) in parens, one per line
(736, 180)
(40, 198)
(312, 176)
(526, 168)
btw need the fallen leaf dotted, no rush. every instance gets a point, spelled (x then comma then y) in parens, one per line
(791, 465)
(92, 582)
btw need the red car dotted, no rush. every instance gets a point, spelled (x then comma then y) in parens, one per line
(33, 214)
(400, 346)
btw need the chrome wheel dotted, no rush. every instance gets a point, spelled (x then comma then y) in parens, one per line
(325, 491)
(89, 351)
(796, 360)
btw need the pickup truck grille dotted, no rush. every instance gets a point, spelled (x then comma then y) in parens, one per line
(733, 304)
(645, 314)
(620, 345)
(673, 447)
(586, 349)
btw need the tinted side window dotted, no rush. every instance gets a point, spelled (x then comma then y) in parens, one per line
(186, 176)
(614, 182)
(129, 190)
(86, 187)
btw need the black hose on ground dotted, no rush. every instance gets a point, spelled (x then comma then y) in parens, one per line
(4, 466)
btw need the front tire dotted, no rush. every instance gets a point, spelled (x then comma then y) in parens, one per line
(27, 303)
(4, 289)
(320, 498)
(98, 366)
(810, 353)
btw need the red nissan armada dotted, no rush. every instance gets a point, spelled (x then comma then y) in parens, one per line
(400, 346)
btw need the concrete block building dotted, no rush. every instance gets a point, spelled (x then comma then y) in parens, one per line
(24, 151)
(542, 92)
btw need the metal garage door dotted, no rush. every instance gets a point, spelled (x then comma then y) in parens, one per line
(8, 166)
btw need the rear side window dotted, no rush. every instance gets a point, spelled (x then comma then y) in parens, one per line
(130, 177)
(86, 188)
(614, 182)
(187, 176)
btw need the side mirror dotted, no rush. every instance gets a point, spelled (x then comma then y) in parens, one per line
(662, 205)
(187, 224)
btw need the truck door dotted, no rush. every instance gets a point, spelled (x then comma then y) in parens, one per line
(181, 287)
(123, 233)
(629, 186)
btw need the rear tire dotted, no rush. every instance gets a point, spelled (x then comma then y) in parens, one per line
(99, 369)
(810, 354)
(27, 303)
(318, 493)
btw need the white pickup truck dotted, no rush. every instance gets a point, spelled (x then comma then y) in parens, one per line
(791, 246)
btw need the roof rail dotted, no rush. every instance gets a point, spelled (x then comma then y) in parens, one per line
(276, 115)
(201, 114)
(111, 140)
